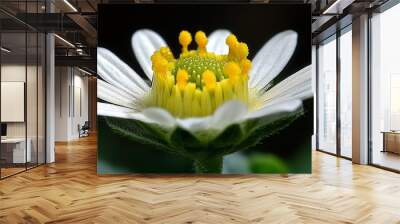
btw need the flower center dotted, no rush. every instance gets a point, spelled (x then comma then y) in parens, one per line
(196, 65)
(198, 82)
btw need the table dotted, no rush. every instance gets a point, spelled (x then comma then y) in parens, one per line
(391, 141)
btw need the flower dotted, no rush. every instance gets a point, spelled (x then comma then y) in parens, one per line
(206, 103)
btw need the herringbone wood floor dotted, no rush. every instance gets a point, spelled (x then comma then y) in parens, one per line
(69, 191)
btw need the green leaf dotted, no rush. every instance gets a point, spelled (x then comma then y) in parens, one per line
(205, 145)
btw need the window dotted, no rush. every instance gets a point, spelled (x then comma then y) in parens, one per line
(22, 77)
(346, 93)
(385, 88)
(334, 106)
(327, 96)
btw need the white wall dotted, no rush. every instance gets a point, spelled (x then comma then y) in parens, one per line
(62, 81)
(80, 110)
(71, 102)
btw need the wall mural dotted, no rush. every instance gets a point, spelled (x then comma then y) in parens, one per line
(204, 89)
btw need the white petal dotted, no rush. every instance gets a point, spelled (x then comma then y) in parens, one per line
(114, 95)
(159, 116)
(275, 109)
(216, 42)
(194, 124)
(114, 71)
(151, 115)
(272, 58)
(229, 113)
(296, 86)
(207, 128)
(144, 43)
(110, 110)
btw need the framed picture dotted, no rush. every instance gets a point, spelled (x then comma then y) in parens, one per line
(204, 88)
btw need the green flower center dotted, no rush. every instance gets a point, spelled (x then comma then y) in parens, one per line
(197, 65)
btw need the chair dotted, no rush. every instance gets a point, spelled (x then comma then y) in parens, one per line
(84, 130)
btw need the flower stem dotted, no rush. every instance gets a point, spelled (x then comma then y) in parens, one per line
(209, 165)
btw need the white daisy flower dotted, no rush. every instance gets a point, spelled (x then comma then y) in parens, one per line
(205, 103)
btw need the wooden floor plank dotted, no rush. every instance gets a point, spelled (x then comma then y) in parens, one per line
(70, 191)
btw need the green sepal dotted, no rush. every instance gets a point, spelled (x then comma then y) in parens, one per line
(207, 145)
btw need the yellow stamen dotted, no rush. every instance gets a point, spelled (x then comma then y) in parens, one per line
(177, 99)
(156, 56)
(218, 94)
(245, 64)
(188, 99)
(182, 78)
(209, 80)
(185, 38)
(206, 105)
(243, 50)
(161, 66)
(232, 42)
(226, 87)
(170, 83)
(201, 40)
(196, 103)
(166, 53)
(232, 70)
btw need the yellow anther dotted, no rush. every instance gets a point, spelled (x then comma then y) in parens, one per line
(166, 53)
(182, 78)
(231, 40)
(201, 40)
(245, 64)
(156, 57)
(161, 66)
(185, 38)
(209, 80)
(232, 70)
(242, 50)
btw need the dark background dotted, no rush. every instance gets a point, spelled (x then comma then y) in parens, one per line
(251, 23)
